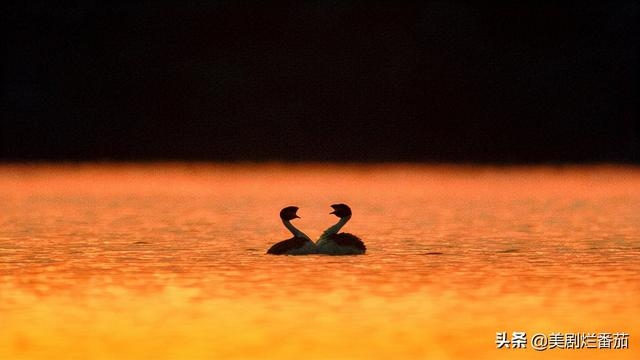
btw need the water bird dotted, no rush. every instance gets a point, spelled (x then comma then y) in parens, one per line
(299, 244)
(333, 243)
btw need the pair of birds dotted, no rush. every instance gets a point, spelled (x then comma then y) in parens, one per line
(331, 242)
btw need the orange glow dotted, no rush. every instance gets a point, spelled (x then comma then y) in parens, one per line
(166, 261)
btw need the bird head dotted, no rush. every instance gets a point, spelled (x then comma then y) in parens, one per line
(289, 213)
(341, 210)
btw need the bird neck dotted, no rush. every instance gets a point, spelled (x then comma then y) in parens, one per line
(294, 230)
(335, 228)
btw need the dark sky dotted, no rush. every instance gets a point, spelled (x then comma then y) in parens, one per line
(344, 80)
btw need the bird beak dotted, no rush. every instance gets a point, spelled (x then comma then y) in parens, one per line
(333, 212)
(298, 217)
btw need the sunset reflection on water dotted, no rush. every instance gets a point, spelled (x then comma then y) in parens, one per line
(166, 261)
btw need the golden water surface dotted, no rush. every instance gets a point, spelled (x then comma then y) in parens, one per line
(167, 261)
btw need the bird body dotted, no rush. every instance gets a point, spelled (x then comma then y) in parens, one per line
(293, 246)
(342, 244)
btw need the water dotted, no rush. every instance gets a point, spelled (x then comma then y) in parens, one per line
(166, 261)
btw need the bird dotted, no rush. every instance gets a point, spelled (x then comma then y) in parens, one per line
(299, 244)
(333, 243)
